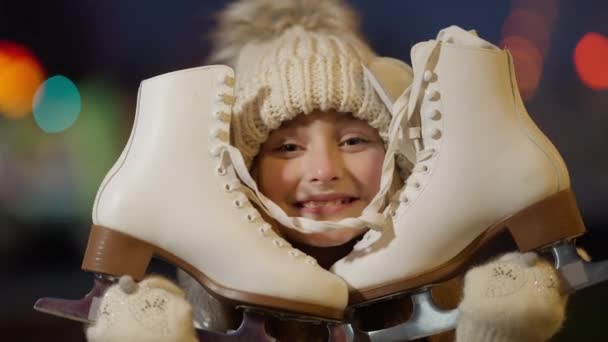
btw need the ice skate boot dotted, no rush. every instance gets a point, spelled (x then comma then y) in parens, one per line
(173, 193)
(481, 167)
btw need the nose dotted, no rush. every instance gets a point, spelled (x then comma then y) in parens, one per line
(324, 164)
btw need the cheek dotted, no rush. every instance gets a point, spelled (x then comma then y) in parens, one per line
(276, 178)
(367, 169)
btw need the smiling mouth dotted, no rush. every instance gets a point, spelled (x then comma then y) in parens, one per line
(324, 204)
(325, 207)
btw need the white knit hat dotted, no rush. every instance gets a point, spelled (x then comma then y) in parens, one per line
(292, 57)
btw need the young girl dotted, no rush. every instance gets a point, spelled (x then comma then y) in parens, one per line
(312, 132)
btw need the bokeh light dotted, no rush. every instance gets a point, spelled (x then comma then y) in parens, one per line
(548, 9)
(591, 60)
(35, 184)
(57, 104)
(20, 75)
(526, 34)
(51, 177)
(528, 62)
(97, 138)
(531, 25)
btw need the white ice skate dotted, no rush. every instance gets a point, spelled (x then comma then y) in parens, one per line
(173, 193)
(480, 167)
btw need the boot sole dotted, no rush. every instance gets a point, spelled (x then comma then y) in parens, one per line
(111, 252)
(542, 224)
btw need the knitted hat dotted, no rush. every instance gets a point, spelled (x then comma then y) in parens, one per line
(292, 57)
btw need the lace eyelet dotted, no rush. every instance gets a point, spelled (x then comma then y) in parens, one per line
(218, 134)
(278, 243)
(221, 116)
(220, 171)
(428, 76)
(229, 81)
(311, 261)
(434, 133)
(226, 99)
(238, 203)
(432, 114)
(392, 212)
(431, 95)
(294, 253)
(215, 133)
(263, 229)
(251, 217)
(215, 151)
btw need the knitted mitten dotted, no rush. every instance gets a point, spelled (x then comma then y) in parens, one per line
(513, 298)
(153, 310)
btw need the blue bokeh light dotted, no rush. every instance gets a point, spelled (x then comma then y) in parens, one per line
(57, 104)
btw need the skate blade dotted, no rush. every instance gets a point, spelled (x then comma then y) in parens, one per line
(576, 273)
(426, 320)
(252, 328)
(82, 310)
(285, 315)
(75, 310)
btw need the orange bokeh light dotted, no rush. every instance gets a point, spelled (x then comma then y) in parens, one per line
(20, 77)
(529, 24)
(548, 9)
(591, 60)
(528, 62)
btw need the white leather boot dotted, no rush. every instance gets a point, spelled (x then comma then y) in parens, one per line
(173, 193)
(481, 166)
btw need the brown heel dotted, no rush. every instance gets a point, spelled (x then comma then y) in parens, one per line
(114, 253)
(553, 219)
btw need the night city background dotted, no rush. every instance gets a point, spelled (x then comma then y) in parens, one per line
(95, 53)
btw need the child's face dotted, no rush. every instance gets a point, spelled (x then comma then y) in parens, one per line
(323, 166)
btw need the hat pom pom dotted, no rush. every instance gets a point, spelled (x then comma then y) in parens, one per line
(247, 21)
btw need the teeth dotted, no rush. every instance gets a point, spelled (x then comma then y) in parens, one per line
(318, 204)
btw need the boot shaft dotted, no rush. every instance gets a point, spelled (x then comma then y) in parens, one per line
(169, 151)
(472, 114)
(174, 191)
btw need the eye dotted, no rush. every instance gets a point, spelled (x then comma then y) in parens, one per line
(287, 148)
(354, 141)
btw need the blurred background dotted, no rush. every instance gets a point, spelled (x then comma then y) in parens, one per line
(89, 57)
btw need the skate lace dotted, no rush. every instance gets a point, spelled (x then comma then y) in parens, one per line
(407, 118)
(414, 105)
(226, 155)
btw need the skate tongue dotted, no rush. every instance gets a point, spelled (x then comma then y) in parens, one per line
(422, 58)
(421, 55)
(459, 36)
